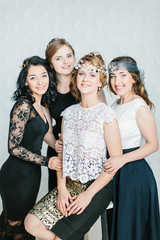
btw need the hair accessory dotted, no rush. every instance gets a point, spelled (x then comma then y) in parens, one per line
(92, 66)
(56, 39)
(24, 65)
(115, 66)
(142, 75)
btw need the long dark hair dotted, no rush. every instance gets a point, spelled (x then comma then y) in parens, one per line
(24, 91)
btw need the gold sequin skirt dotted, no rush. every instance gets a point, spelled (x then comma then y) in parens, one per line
(46, 209)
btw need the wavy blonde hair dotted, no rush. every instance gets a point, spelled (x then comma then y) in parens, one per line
(138, 86)
(94, 59)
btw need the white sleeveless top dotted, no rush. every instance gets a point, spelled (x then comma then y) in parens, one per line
(84, 147)
(126, 115)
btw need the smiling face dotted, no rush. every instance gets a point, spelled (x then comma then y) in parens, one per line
(122, 82)
(37, 80)
(63, 61)
(88, 79)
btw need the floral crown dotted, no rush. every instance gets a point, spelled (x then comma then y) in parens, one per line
(92, 66)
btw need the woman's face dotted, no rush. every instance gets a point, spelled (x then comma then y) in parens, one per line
(88, 80)
(122, 82)
(63, 61)
(37, 80)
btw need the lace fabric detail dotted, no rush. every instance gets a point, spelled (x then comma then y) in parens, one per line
(21, 114)
(84, 147)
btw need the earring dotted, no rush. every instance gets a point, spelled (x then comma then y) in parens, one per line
(99, 88)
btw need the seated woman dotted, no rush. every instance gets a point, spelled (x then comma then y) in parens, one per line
(84, 189)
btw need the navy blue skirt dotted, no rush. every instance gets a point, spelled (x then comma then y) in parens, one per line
(136, 209)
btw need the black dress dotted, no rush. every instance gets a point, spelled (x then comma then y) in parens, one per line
(20, 175)
(62, 102)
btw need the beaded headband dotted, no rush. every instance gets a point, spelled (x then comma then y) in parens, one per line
(92, 66)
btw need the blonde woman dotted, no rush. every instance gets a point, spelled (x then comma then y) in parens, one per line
(84, 189)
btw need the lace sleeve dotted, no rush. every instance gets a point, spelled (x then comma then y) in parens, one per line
(20, 115)
(109, 114)
(67, 112)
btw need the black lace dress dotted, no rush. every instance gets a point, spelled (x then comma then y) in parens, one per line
(20, 175)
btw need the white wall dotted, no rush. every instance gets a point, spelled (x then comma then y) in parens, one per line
(112, 27)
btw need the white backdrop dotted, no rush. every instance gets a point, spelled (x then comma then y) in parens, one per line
(112, 27)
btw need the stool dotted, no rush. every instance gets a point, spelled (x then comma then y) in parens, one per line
(104, 222)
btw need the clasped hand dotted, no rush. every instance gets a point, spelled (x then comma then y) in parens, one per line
(59, 144)
(72, 205)
(113, 164)
(55, 163)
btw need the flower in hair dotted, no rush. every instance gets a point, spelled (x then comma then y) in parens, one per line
(112, 67)
(91, 66)
(24, 65)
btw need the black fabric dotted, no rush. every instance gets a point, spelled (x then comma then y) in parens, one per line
(62, 102)
(135, 203)
(20, 175)
(8, 232)
(109, 213)
(75, 226)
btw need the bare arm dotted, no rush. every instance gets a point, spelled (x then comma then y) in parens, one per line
(64, 196)
(147, 126)
(49, 137)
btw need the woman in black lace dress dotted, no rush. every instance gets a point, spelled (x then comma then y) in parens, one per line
(30, 124)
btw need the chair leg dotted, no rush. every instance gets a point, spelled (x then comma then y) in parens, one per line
(104, 226)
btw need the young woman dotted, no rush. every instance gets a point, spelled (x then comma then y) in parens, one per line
(61, 57)
(136, 207)
(84, 189)
(29, 125)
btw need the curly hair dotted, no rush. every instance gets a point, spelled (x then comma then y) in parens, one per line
(24, 91)
(94, 59)
(138, 86)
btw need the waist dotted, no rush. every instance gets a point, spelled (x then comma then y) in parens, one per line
(130, 150)
(78, 181)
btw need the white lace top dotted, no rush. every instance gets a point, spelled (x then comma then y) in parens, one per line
(126, 114)
(84, 147)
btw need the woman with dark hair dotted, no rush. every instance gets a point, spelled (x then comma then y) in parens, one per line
(84, 190)
(136, 208)
(30, 124)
